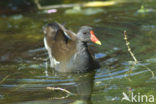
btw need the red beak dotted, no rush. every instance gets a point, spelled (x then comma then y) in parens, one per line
(94, 38)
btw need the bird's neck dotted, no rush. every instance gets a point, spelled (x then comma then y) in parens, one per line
(82, 45)
(82, 50)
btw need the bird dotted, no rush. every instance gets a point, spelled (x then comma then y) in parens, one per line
(69, 51)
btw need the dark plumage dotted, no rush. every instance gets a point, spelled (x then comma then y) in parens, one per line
(69, 52)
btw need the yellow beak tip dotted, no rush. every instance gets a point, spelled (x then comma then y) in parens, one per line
(98, 42)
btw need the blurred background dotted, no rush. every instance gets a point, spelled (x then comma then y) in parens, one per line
(24, 65)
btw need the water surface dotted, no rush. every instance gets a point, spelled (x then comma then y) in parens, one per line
(24, 65)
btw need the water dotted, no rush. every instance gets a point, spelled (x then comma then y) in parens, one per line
(25, 75)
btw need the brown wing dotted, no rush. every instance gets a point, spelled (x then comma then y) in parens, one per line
(62, 46)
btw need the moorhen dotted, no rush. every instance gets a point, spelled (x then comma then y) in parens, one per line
(69, 52)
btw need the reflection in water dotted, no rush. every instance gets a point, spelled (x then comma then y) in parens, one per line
(35, 89)
(85, 85)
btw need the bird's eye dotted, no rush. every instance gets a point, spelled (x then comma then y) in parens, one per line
(85, 33)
